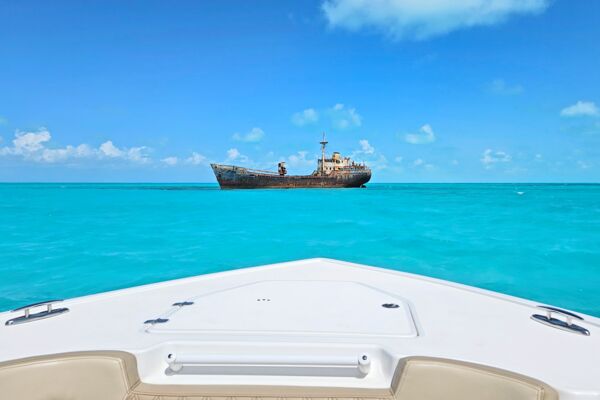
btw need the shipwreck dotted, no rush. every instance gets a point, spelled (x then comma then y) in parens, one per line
(334, 172)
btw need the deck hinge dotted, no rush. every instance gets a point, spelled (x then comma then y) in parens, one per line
(183, 303)
(156, 321)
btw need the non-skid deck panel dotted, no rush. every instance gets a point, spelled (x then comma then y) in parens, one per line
(295, 307)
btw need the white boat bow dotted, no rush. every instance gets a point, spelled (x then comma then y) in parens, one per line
(316, 323)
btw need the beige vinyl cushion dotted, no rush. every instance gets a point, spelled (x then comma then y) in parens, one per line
(94, 375)
(112, 375)
(425, 378)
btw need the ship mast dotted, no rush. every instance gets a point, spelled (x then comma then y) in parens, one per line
(323, 144)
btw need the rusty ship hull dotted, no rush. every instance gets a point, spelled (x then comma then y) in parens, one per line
(234, 177)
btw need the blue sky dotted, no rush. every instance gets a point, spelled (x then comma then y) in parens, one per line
(423, 91)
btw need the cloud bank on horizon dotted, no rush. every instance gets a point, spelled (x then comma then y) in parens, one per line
(33, 146)
(423, 19)
(36, 146)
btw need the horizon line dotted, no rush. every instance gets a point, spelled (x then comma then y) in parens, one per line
(371, 183)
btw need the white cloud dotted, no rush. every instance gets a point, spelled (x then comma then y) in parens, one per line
(255, 135)
(369, 155)
(308, 116)
(196, 159)
(425, 136)
(135, 154)
(300, 160)
(398, 159)
(170, 161)
(581, 108)
(344, 117)
(421, 19)
(62, 154)
(30, 142)
(490, 157)
(379, 163)
(583, 164)
(420, 163)
(499, 86)
(108, 149)
(366, 150)
(234, 155)
(366, 146)
(32, 146)
(340, 117)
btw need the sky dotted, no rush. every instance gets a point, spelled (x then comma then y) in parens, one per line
(420, 90)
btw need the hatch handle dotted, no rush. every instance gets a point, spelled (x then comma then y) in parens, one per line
(236, 364)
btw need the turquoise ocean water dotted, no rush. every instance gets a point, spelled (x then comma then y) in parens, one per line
(65, 240)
